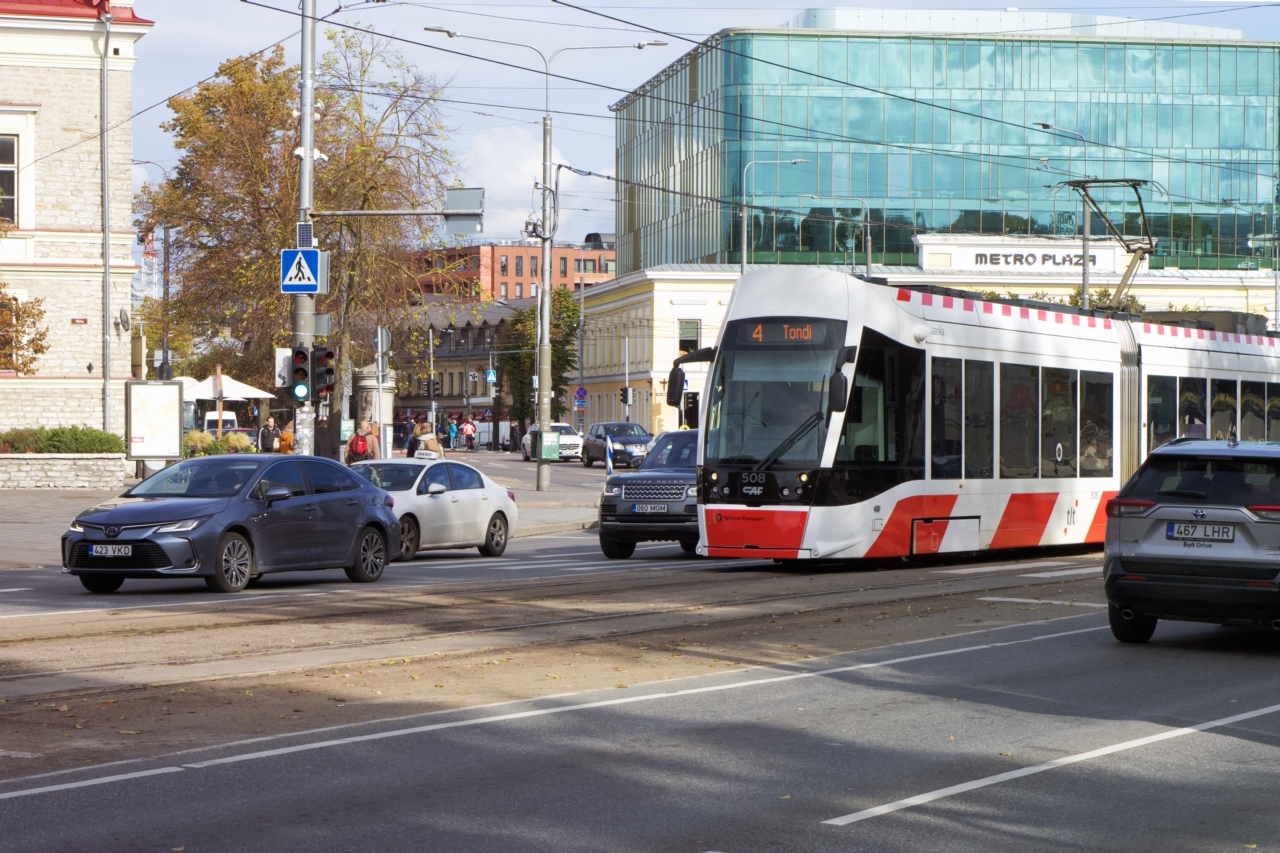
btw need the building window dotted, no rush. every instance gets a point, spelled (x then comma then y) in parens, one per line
(519, 265)
(450, 383)
(519, 290)
(502, 265)
(564, 267)
(610, 266)
(533, 266)
(475, 262)
(8, 178)
(502, 289)
(689, 330)
(585, 265)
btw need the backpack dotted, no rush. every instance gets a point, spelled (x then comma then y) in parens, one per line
(359, 447)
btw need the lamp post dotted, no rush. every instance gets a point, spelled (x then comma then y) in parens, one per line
(165, 371)
(866, 223)
(1085, 220)
(746, 223)
(547, 231)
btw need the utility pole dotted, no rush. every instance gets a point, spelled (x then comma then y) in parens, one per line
(582, 319)
(166, 365)
(304, 304)
(106, 223)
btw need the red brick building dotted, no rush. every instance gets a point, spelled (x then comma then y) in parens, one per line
(510, 269)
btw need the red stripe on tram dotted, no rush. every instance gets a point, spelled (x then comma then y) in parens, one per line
(895, 539)
(1098, 527)
(1025, 518)
(754, 531)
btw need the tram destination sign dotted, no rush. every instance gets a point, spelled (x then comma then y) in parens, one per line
(798, 332)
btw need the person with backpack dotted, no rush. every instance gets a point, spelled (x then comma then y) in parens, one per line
(362, 445)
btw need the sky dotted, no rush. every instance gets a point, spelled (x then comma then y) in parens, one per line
(496, 137)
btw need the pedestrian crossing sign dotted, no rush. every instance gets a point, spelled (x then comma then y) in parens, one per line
(300, 271)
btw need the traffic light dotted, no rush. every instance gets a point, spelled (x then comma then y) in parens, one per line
(300, 383)
(435, 387)
(424, 386)
(323, 373)
(624, 394)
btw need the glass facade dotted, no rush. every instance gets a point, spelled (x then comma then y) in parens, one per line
(938, 133)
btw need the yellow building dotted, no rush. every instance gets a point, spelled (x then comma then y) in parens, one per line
(635, 326)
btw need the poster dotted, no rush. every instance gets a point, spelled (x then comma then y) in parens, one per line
(153, 420)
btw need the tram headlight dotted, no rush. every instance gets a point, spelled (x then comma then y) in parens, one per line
(714, 476)
(802, 478)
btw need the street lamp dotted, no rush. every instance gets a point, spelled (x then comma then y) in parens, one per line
(1084, 204)
(546, 231)
(746, 223)
(165, 370)
(866, 222)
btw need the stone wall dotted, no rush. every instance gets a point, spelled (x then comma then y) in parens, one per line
(29, 402)
(64, 470)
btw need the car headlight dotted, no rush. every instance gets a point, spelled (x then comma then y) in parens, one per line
(611, 490)
(617, 445)
(76, 526)
(182, 526)
(691, 492)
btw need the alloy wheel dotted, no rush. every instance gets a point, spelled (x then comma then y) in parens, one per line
(236, 562)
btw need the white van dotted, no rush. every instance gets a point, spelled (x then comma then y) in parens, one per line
(211, 421)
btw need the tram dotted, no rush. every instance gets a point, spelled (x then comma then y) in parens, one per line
(848, 419)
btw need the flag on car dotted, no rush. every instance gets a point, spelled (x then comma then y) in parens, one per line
(608, 456)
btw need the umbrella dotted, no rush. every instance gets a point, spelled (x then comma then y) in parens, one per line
(232, 389)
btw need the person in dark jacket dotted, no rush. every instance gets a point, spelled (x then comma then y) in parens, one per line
(326, 443)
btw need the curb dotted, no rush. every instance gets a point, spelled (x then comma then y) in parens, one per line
(556, 527)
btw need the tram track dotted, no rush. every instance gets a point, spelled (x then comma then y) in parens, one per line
(457, 637)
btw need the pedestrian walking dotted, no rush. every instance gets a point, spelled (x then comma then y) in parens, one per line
(453, 434)
(469, 433)
(362, 445)
(326, 444)
(269, 437)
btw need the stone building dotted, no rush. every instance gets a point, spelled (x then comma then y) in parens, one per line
(51, 190)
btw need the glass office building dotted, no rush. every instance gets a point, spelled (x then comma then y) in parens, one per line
(943, 131)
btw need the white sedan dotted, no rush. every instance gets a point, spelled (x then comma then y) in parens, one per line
(444, 504)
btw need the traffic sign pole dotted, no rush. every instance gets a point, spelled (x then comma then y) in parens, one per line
(304, 304)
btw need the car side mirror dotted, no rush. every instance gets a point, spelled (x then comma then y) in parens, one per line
(436, 489)
(277, 493)
(838, 392)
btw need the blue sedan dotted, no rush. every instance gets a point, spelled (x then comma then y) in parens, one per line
(230, 519)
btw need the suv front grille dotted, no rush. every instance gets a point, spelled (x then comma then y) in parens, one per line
(653, 492)
(146, 555)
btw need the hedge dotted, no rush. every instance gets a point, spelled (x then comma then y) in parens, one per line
(76, 439)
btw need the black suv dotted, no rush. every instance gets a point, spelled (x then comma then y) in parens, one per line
(630, 443)
(657, 502)
(1195, 535)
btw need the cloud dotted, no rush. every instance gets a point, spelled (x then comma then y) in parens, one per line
(507, 161)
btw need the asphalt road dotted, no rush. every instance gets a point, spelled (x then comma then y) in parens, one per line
(1048, 736)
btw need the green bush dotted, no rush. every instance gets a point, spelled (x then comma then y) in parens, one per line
(81, 439)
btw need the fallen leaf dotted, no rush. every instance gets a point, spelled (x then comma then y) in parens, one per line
(1006, 753)
(785, 797)
(177, 849)
(248, 693)
(415, 677)
(63, 708)
(549, 675)
(623, 686)
(129, 732)
(953, 737)
(182, 690)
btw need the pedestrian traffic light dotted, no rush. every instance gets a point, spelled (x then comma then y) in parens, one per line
(424, 386)
(300, 383)
(323, 372)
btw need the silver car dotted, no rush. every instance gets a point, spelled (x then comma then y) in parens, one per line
(1195, 535)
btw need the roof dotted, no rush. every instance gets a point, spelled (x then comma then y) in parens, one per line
(83, 9)
(447, 312)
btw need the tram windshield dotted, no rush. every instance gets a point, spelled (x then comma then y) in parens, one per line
(768, 395)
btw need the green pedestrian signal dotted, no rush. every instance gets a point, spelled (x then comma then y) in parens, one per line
(300, 382)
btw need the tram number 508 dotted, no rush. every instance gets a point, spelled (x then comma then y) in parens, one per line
(753, 483)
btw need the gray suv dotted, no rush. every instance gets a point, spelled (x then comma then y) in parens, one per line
(1195, 535)
(655, 503)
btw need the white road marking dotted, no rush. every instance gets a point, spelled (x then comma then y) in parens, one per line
(240, 599)
(1003, 567)
(1045, 601)
(18, 589)
(1066, 573)
(104, 780)
(921, 799)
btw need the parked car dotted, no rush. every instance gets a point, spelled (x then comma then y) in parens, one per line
(657, 502)
(629, 442)
(1195, 535)
(444, 504)
(230, 519)
(570, 442)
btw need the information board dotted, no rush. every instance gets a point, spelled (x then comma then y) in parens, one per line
(152, 420)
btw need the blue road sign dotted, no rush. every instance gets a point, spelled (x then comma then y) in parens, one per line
(491, 376)
(299, 270)
(580, 393)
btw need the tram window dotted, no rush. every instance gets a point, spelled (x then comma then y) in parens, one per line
(882, 444)
(1191, 408)
(1162, 410)
(945, 447)
(1222, 408)
(1253, 404)
(1058, 423)
(1273, 411)
(1096, 444)
(979, 403)
(1019, 421)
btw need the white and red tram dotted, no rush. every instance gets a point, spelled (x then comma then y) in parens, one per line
(847, 419)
